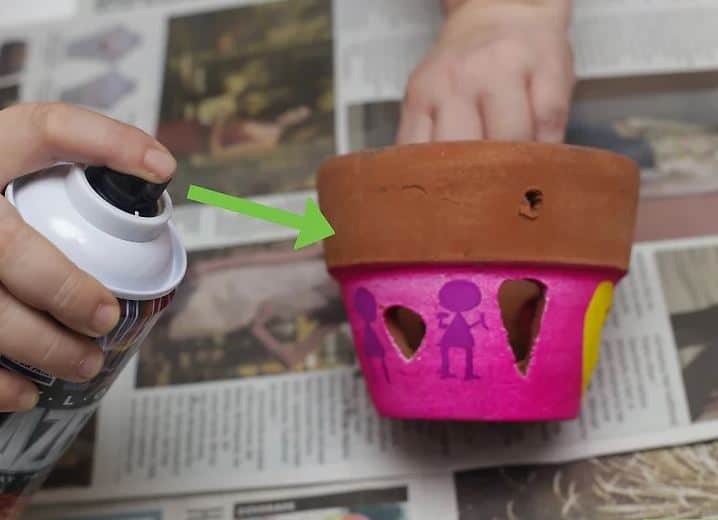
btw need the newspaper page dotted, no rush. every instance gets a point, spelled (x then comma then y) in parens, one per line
(619, 487)
(612, 37)
(414, 499)
(110, 67)
(251, 380)
(17, 45)
(631, 37)
(13, 14)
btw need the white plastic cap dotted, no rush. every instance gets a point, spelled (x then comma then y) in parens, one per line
(137, 258)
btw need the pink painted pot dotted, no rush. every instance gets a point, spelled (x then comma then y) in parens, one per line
(464, 367)
(477, 276)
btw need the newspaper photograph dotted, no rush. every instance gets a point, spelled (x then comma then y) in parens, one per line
(248, 312)
(412, 499)
(250, 380)
(661, 122)
(668, 483)
(239, 109)
(688, 277)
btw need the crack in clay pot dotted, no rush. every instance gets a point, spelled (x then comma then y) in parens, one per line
(417, 187)
(522, 303)
(407, 328)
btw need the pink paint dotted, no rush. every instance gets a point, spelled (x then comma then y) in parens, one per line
(459, 325)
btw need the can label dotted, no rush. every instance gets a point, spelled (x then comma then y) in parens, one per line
(32, 442)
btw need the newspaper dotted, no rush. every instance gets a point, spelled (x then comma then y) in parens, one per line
(417, 498)
(250, 381)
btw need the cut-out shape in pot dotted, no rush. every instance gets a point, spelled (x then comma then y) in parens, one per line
(506, 255)
(407, 329)
(522, 303)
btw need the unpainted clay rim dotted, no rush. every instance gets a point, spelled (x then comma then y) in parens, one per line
(497, 146)
(621, 174)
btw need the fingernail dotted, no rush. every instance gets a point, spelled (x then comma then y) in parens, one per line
(161, 146)
(160, 162)
(90, 366)
(28, 400)
(105, 318)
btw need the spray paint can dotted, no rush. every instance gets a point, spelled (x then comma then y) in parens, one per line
(116, 228)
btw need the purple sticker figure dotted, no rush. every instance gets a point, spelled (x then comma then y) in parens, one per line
(366, 308)
(459, 296)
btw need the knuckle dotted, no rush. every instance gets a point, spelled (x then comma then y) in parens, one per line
(8, 388)
(15, 236)
(417, 96)
(53, 348)
(7, 303)
(67, 293)
(508, 53)
(48, 120)
(10, 391)
(459, 72)
(561, 69)
(415, 101)
(566, 50)
(553, 115)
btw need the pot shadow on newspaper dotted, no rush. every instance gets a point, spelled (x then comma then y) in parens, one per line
(248, 311)
(623, 487)
(248, 97)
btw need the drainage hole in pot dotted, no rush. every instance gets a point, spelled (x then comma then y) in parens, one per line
(522, 304)
(530, 206)
(534, 199)
(406, 327)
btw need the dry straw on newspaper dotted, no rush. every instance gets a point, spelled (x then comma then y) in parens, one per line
(680, 483)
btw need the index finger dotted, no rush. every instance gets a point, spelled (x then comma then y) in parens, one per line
(37, 135)
(551, 89)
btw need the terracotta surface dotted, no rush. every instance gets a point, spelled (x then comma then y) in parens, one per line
(465, 202)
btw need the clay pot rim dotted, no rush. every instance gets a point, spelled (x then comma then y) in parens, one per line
(351, 269)
(480, 201)
(496, 146)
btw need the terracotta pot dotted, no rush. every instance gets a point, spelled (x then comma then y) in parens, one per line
(477, 275)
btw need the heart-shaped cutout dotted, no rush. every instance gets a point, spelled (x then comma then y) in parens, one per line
(406, 327)
(522, 304)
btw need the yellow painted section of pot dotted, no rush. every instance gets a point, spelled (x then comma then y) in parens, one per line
(593, 323)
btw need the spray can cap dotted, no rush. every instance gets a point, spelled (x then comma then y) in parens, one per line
(125, 192)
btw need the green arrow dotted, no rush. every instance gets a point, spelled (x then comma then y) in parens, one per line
(313, 225)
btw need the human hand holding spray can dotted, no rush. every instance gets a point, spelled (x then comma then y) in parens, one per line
(112, 226)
